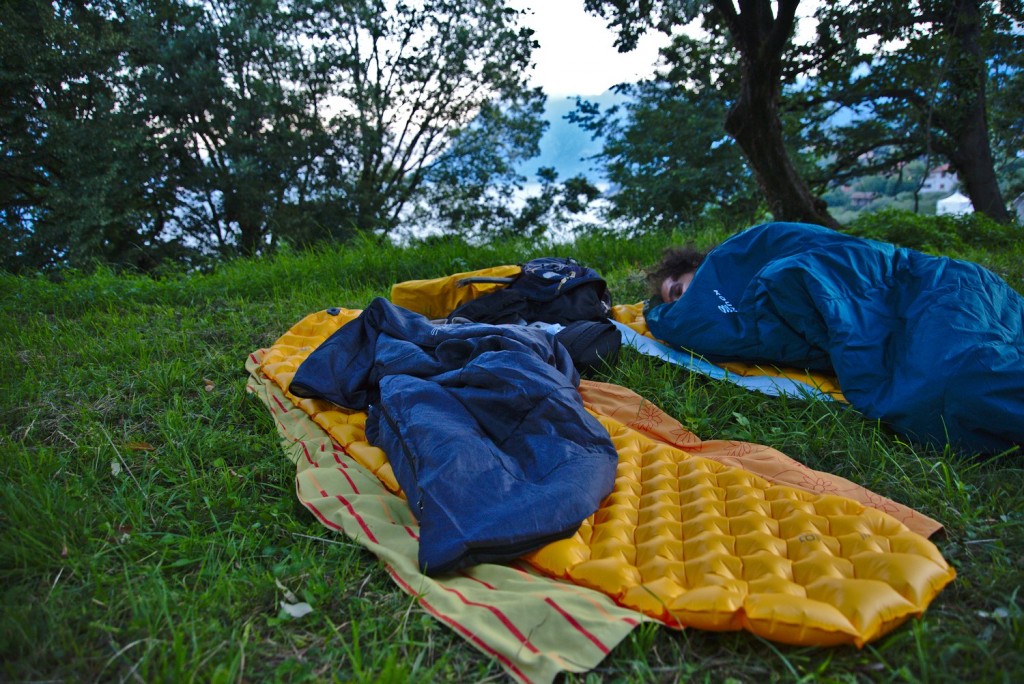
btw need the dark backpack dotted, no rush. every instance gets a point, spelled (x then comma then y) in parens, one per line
(549, 289)
(592, 345)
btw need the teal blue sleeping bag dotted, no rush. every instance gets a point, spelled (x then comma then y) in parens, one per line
(932, 346)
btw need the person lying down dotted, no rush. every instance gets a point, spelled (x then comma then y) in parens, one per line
(930, 345)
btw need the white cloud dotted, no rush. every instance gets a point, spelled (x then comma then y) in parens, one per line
(577, 54)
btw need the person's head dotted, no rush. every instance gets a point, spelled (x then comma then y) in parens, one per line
(670, 277)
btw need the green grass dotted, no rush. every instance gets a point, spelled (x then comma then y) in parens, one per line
(148, 519)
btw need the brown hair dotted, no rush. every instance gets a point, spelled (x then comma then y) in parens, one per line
(675, 261)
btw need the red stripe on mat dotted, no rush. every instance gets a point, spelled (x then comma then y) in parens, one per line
(576, 590)
(387, 511)
(572, 621)
(285, 432)
(274, 397)
(323, 492)
(359, 519)
(308, 457)
(460, 628)
(318, 514)
(509, 625)
(475, 579)
(350, 482)
(351, 509)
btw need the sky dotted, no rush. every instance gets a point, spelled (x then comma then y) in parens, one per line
(576, 54)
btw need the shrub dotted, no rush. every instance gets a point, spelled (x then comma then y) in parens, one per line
(935, 234)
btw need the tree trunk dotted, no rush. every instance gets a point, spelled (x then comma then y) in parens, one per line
(240, 210)
(971, 153)
(761, 36)
(754, 122)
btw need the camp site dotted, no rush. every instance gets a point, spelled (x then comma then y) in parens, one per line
(384, 341)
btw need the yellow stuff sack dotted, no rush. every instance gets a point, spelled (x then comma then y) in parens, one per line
(693, 541)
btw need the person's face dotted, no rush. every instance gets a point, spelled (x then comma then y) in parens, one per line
(672, 288)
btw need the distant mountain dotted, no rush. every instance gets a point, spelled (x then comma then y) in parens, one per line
(565, 146)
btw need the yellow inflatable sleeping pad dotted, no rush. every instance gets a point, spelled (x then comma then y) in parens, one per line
(696, 542)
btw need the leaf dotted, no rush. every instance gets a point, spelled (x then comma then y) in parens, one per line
(208, 384)
(291, 605)
(296, 610)
(140, 446)
(741, 419)
(115, 467)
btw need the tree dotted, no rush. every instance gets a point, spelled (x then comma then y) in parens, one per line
(133, 129)
(666, 152)
(760, 36)
(75, 181)
(235, 100)
(917, 76)
(557, 204)
(466, 189)
(419, 86)
(1004, 94)
(347, 113)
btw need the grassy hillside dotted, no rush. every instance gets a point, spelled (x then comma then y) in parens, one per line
(148, 520)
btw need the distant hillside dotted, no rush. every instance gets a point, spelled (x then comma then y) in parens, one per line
(565, 146)
(569, 149)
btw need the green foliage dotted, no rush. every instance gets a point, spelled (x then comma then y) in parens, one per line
(937, 234)
(136, 133)
(1005, 92)
(76, 181)
(467, 189)
(919, 80)
(666, 152)
(431, 91)
(227, 90)
(884, 84)
(745, 51)
(173, 131)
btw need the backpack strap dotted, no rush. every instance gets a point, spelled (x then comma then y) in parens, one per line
(463, 282)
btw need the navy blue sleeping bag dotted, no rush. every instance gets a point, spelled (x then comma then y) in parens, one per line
(930, 345)
(482, 424)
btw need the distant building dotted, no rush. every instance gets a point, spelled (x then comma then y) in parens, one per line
(860, 199)
(940, 179)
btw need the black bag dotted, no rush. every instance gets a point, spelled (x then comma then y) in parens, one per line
(549, 289)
